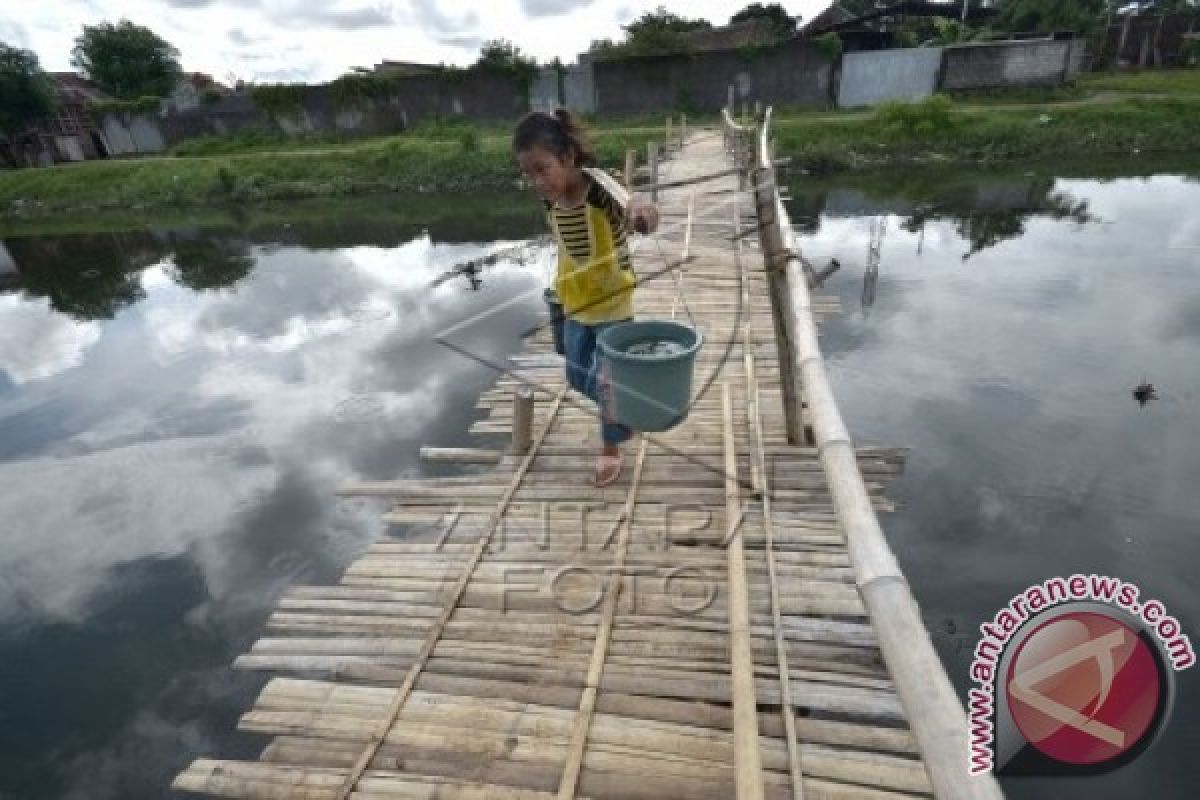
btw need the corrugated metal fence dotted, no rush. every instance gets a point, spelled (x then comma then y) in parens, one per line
(879, 76)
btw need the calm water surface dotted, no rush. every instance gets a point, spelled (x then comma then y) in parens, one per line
(1000, 337)
(177, 406)
(176, 409)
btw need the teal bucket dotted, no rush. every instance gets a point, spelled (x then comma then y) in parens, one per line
(650, 367)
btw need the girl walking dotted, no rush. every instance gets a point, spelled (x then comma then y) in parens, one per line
(594, 278)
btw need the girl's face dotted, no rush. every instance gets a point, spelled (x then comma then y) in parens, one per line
(552, 177)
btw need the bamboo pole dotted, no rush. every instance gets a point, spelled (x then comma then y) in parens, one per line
(930, 703)
(652, 163)
(461, 455)
(667, 136)
(435, 632)
(776, 256)
(761, 482)
(747, 759)
(522, 426)
(630, 164)
(587, 704)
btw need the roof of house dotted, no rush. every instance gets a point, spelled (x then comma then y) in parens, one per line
(737, 34)
(75, 88)
(202, 81)
(833, 15)
(404, 67)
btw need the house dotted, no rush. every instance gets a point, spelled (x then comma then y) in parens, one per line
(748, 33)
(69, 133)
(194, 89)
(391, 67)
(1145, 36)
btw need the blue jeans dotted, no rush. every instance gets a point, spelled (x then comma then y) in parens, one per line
(584, 373)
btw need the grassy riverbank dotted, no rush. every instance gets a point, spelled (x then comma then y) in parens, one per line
(410, 165)
(1120, 117)
(1106, 117)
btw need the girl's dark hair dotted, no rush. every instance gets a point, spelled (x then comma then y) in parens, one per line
(558, 133)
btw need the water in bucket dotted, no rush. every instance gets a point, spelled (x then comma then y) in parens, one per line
(659, 348)
(650, 366)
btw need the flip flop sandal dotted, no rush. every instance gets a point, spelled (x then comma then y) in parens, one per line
(608, 469)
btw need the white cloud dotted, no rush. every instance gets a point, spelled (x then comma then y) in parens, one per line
(38, 342)
(13, 33)
(329, 38)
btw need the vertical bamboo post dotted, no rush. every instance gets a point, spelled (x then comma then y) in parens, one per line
(652, 163)
(522, 427)
(758, 109)
(729, 100)
(667, 140)
(682, 130)
(775, 259)
(630, 165)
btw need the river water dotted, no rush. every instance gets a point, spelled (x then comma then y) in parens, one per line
(177, 405)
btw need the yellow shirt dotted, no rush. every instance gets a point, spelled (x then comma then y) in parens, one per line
(595, 276)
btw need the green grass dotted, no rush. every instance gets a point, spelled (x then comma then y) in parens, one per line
(1161, 114)
(398, 164)
(1020, 96)
(255, 141)
(1168, 81)
(938, 132)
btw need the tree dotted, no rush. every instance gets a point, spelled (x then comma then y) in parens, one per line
(503, 54)
(127, 60)
(660, 32)
(783, 23)
(26, 92)
(1044, 16)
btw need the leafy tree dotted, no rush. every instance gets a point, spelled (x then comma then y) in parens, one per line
(1024, 16)
(660, 32)
(127, 60)
(26, 92)
(783, 22)
(503, 54)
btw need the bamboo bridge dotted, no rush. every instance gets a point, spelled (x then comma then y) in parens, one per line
(726, 621)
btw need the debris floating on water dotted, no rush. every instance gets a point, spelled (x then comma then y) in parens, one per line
(658, 348)
(1144, 393)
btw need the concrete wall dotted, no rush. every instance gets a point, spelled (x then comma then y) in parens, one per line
(579, 88)
(474, 96)
(875, 77)
(986, 65)
(543, 94)
(132, 134)
(792, 73)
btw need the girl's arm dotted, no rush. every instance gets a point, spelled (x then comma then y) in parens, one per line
(641, 214)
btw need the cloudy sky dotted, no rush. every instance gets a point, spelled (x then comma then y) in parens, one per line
(313, 40)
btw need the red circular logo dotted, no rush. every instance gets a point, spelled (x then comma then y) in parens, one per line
(1084, 688)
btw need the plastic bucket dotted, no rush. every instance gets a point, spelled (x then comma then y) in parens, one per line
(556, 319)
(653, 391)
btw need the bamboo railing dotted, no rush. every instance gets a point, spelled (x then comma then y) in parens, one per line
(930, 704)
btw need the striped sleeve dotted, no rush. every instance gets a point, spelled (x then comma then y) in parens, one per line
(599, 197)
